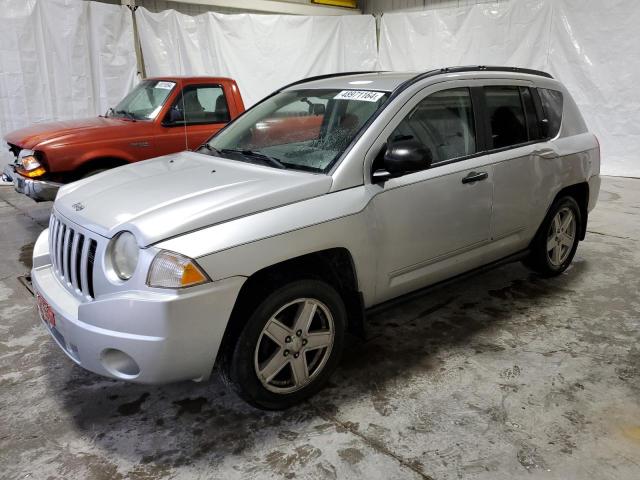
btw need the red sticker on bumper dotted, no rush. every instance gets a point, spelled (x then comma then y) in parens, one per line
(46, 313)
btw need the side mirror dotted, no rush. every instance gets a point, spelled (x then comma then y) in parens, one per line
(175, 115)
(402, 157)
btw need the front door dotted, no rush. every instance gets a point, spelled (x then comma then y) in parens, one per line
(431, 223)
(198, 112)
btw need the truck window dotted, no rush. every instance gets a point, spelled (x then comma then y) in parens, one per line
(201, 104)
(443, 123)
(552, 103)
(506, 116)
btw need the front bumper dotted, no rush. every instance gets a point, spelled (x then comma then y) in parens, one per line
(140, 336)
(38, 190)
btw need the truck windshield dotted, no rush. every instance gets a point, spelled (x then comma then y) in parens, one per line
(144, 101)
(300, 129)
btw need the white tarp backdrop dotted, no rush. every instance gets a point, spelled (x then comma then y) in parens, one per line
(62, 59)
(591, 47)
(261, 52)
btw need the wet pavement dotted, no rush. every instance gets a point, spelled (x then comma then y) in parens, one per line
(504, 375)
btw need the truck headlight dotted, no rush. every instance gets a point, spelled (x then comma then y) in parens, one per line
(172, 270)
(28, 164)
(123, 255)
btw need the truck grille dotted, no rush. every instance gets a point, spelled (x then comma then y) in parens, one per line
(72, 256)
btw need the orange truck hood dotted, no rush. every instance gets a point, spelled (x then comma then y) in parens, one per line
(71, 131)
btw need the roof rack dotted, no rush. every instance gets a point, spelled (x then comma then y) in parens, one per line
(485, 68)
(477, 68)
(328, 75)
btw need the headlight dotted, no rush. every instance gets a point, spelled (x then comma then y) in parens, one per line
(172, 270)
(29, 164)
(123, 253)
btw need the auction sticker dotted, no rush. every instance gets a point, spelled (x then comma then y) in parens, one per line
(165, 85)
(360, 95)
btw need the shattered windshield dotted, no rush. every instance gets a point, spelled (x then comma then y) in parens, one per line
(144, 102)
(301, 129)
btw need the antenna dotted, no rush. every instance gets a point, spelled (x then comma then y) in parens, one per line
(184, 116)
(184, 110)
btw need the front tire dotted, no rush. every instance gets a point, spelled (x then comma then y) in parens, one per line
(289, 347)
(556, 242)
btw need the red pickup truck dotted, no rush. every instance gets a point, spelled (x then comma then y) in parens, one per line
(159, 116)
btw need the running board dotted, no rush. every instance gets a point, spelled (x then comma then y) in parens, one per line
(422, 291)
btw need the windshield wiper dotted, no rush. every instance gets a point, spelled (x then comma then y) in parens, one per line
(126, 113)
(109, 112)
(210, 148)
(258, 156)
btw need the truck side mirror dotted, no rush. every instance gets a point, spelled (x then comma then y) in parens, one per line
(175, 116)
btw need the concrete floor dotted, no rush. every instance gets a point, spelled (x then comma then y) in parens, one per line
(501, 376)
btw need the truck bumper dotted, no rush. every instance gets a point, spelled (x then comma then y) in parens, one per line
(157, 337)
(38, 190)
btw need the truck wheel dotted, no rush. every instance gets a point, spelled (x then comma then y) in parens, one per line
(289, 347)
(556, 242)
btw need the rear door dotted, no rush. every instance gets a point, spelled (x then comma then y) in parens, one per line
(196, 114)
(431, 223)
(515, 139)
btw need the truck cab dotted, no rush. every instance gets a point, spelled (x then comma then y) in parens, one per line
(161, 115)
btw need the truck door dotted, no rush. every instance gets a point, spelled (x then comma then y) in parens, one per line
(197, 112)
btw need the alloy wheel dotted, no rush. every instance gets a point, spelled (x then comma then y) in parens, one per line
(294, 345)
(561, 236)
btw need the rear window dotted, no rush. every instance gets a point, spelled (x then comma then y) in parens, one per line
(552, 102)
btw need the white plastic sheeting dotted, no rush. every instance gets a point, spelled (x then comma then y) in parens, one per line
(261, 52)
(590, 45)
(62, 59)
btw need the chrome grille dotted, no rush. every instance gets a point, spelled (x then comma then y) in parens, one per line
(72, 256)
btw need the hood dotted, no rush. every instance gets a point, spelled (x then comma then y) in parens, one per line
(171, 195)
(69, 131)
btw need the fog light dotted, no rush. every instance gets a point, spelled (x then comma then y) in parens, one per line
(119, 363)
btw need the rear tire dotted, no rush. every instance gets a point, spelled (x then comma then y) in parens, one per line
(289, 347)
(556, 242)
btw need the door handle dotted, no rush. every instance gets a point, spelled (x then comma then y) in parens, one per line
(475, 177)
(546, 153)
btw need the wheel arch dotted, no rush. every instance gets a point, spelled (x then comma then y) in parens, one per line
(580, 193)
(99, 162)
(334, 266)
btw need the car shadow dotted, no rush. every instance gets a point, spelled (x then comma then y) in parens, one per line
(178, 424)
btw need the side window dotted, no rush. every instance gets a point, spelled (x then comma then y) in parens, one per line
(203, 104)
(552, 103)
(533, 125)
(443, 123)
(506, 116)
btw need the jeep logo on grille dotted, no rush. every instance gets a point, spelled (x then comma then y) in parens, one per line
(77, 206)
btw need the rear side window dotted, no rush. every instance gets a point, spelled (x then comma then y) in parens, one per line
(443, 123)
(506, 114)
(552, 102)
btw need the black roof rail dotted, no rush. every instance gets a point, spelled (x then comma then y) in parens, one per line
(492, 68)
(327, 75)
(477, 68)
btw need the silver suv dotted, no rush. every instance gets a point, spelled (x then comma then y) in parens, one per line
(262, 249)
